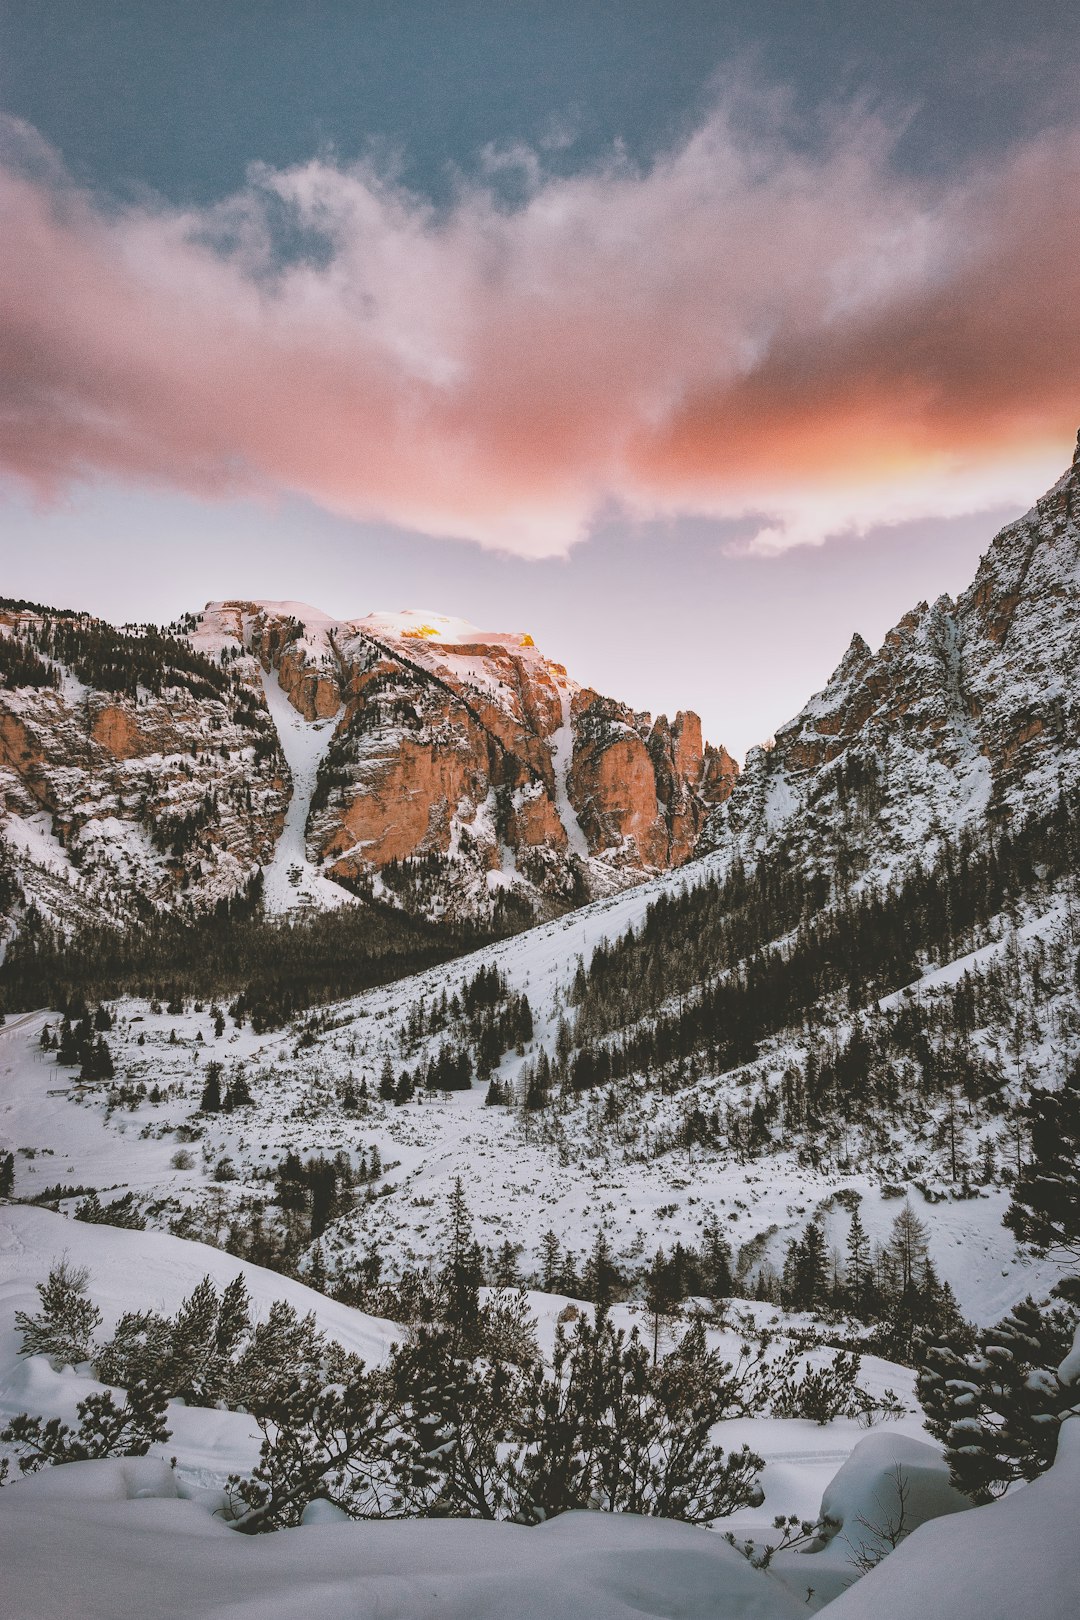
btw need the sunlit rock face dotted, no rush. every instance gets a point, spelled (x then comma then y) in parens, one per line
(455, 773)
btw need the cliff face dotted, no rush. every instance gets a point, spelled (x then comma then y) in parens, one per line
(453, 772)
(967, 709)
(118, 796)
(468, 774)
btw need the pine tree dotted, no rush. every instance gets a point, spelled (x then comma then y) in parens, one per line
(463, 1273)
(405, 1088)
(998, 1408)
(659, 1298)
(858, 1263)
(210, 1102)
(507, 1270)
(715, 1259)
(806, 1269)
(601, 1274)
(64, 1327)
(105, 1430)
(340, 1440)
(97, 1062)
(549, 1262)
(1045, 1208)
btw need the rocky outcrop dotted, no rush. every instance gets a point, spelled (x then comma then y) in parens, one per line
(467, 775)
(470, 773)
(967, 709)
(111, 803)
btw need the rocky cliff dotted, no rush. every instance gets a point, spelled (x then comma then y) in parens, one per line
(467, 773)
(133, 773)
(968, 709)
(409, 757)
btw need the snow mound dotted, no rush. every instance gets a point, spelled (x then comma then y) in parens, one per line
(889, 1485)
(1018, 1559)
(108, 1549)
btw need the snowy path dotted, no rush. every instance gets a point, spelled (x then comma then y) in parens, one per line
(292, 880)
(562, 747)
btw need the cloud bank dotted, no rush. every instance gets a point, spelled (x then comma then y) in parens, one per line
(765, 322)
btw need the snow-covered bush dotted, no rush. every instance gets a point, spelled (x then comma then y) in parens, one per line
(105, 1429)
(998, 1409)
(64, 1327)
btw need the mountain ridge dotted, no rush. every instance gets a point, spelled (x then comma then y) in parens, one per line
(456, 773)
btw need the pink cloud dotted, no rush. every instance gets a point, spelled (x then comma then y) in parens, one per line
(747, 326)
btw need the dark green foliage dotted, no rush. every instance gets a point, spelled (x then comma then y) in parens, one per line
(601, 1427)
(105, 1430)
(1045, 1208)
(190, 1355)
(98, 1063)
(315, 1192)
(283, 1351)
(702, 978)
(818, 1394)
(19, 604)
(450, 1070)
(270, 970)
(341, 1442)
(806, 1271)
(63, 1329)
(121, 661)
(466, 1418)
(997, 1407)
(210, 1101)
(463, 1272)
(20, 665)
(7, 1174)
(122, 1211)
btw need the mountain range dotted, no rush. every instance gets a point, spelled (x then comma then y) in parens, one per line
(458, 774)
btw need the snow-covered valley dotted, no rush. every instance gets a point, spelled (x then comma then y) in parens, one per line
(792, 1119)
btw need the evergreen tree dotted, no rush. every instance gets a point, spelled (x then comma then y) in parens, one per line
(105, 1430)
(601, 1274)
(811, 1277)
(1045, 1207)
(660, 1298)
(64, 1327)
(507, 1270)
(550, 1269)
(463, 1272)
(210, 1102)
(997, 1408)
(405, 1088)
(858, 1263)
(97, 1062)
(716, 1270)
(343, 1441)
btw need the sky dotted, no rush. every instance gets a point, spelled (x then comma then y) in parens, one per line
(689, 337)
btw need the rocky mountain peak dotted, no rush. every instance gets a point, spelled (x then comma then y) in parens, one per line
(410, 757)
(967, 708)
